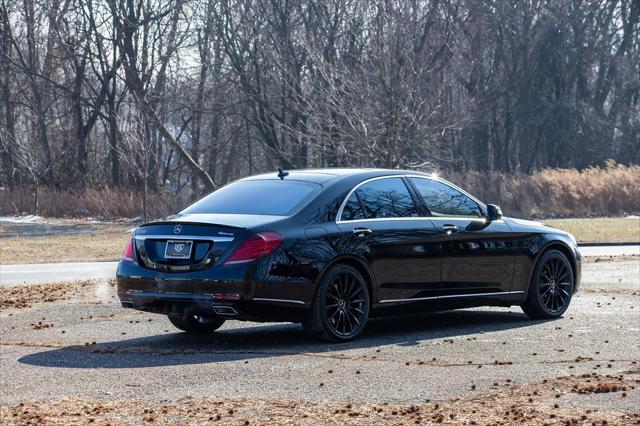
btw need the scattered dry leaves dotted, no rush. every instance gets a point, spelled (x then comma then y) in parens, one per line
(598, 259)
(23, 296)
(533, 403)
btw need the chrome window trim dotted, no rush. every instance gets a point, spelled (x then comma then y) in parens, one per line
(481, 205)
(184, 237)
(451, 296)
(422, 218)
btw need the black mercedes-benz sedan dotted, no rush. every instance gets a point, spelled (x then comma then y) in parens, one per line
(331, 248)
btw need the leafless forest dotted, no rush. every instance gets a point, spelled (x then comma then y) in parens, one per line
(158, 96)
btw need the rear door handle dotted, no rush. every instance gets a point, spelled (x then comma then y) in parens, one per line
(361, 231)
(450, 229)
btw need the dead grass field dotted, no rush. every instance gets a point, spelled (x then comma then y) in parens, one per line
(108, 241)
(611, 190)
(105, 244)
(566, 193)
(600, 230)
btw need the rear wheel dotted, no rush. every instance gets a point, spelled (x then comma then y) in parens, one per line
(196, 324)
(551, 287)
(340, 309)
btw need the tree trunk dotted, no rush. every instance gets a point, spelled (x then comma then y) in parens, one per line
(81, 136)
(197, 124)
(193, 165)
(112, 123)
(8, 137)
(38, 91)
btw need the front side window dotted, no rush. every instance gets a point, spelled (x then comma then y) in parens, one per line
(443, 200)
(259, 197)
(378, 199)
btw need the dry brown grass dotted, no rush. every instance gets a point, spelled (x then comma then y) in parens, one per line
(104, 203)
(613, 190)
(610, 191)
(535, 404)
(612, 230)
(108, 241)
(103, 245)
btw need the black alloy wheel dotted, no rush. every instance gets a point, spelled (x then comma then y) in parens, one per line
(341, 307)
(551, 286)
(554, 285)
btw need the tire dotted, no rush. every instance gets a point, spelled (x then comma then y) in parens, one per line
(551, 287)
(340, 308)
(195, 324)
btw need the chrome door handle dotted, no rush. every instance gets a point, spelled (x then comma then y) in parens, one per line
(361, 231)
(450, 229)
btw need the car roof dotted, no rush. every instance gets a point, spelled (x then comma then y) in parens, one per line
(323, 176)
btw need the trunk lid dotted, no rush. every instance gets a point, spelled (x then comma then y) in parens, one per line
(240, 221)
(191, 242)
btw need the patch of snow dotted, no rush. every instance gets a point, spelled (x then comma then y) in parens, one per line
(22, 219)
(632, 216)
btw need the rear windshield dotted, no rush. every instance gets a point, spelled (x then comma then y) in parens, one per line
(260, 197)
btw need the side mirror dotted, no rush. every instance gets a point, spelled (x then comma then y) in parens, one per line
(493, 212)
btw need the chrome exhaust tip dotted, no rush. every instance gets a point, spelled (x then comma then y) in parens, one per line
(224, 310)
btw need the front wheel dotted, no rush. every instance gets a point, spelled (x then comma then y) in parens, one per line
(195, 324)
(340, 309)
(551, 287)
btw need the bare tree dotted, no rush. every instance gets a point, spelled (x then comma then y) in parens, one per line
(226, 88)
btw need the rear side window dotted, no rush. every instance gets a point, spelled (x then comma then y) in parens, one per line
(381, 198)
(444, 200)
(353, 209)
(259, 197)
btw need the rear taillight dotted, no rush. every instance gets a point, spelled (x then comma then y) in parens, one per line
(255, 247)
(128, 251)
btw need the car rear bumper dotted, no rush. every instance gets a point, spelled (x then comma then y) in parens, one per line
(235, 299)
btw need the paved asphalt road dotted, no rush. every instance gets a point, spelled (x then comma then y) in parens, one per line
(406, 360)
(54, 272)
(624, 250)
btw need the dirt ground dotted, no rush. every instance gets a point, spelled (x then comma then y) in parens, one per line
(535, 403)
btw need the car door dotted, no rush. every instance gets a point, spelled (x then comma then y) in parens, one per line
(477, 255)
(381, 217)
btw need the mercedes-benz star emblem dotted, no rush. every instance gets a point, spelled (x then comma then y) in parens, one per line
(177, 229)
